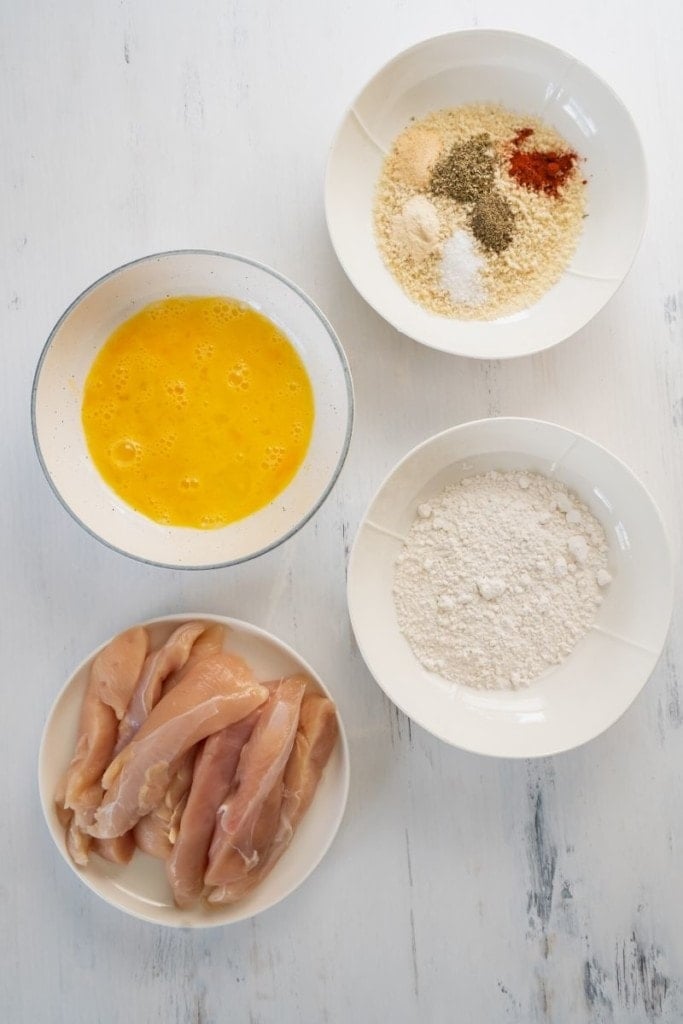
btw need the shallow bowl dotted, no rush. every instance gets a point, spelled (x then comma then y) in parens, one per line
(66, 361)
(574, 701)
(529, 77)
(140, 888)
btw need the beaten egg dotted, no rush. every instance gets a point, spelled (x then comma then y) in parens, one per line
(197, 411)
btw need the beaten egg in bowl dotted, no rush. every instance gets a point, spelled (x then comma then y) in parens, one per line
(197, 411)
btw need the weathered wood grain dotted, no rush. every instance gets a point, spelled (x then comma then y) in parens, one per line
(459, 889)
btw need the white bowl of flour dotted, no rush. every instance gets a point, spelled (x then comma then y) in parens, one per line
(510, 587)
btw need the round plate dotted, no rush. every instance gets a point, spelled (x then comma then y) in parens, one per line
(527, 76)
(140, 888)
(574, 701)
(66, 361)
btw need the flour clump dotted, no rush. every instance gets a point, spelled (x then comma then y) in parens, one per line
(499, 577)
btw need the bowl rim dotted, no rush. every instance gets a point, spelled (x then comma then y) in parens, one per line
(669, 581)
(231, 623)
(332, 335)
(644, 204)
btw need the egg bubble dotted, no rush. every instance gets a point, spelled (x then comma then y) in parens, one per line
(238, 375)
(168, 440)
(189, 483)
(125, 452)
(177, 392)
(149, 362)
(211, 521)
(235, 310)
(204, 350)
(274, 455)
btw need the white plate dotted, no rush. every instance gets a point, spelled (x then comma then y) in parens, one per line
(576, 700)
(524, 75)
(140, 888)
(68, 356)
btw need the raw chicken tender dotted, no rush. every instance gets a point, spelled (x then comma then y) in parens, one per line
(159, 665)
(218, 691)
(260, 767)
(118, 850)
(209, 642)
(157, 831)
(113, 676)
(315, 740)
(234, 867)
(214, 771)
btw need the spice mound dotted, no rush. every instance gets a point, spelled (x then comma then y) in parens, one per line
(499, 578)
(541, 170)
(509, 183)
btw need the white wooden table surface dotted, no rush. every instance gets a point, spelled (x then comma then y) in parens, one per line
(459, 888)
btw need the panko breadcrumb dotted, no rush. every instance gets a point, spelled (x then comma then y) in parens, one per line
(546, 228)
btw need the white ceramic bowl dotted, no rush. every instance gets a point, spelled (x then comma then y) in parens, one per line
(527, 76)
(66, 361)
(574, 701)
(140, 888)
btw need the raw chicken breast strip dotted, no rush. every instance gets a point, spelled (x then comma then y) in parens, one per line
(118, 850)
(218, 691)
(214, 772)
(78, 842)
(261, 764)
(119, 668)
(315, 741)
(63, 816)
(156, 832)
(159, 665)
(113, 676)
(210, 642)
(234, 867)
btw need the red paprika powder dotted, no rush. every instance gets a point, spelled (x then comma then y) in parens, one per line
(538, 169)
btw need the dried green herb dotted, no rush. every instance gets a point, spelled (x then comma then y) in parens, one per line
(467, 170)
(492, 222)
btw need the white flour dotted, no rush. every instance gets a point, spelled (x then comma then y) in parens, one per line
(499, 577)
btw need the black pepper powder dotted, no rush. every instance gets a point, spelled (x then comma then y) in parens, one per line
(492, 222)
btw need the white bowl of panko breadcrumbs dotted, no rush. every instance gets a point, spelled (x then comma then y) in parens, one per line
(486, 193)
